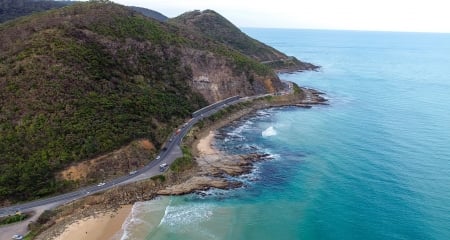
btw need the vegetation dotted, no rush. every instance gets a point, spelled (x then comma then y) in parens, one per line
(150, 13)
(76, 89)
(45, 220)
(13, 218)
(160, 178)
(297, 89)
(183, 163)
(226, 111)
(220, 29)
(10, 9)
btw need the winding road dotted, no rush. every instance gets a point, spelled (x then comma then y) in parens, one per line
(169, 155)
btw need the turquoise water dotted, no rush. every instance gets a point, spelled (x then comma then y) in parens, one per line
(375, 164)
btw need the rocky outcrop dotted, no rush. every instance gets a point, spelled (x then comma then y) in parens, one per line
(197, 184)
(216, 78)
(214, 170)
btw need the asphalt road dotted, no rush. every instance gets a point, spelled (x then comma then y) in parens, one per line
(172, 152)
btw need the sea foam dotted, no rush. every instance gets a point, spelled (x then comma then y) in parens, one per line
(270, 131)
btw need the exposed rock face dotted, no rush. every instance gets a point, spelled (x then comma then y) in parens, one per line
(215, 77)
(111, 165)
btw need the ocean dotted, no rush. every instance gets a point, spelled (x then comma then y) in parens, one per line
(374, 164)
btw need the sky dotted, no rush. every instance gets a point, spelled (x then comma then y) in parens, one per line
(375, 15)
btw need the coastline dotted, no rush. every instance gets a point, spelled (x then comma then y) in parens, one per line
(210, 171)
(213, 166)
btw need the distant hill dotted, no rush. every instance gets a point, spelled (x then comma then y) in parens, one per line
(215, 26)
(150, 13)
(11, 9)
(83, 80)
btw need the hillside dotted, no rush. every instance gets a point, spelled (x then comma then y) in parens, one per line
(11, 9)
(150, 13)
(83, 80)
(217, 27)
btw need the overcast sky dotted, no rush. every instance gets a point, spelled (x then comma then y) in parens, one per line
(382, 15)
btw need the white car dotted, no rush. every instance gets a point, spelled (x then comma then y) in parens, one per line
(133, 172)
(17, 237)
(101, 184)
(158, 157)
(163, 167)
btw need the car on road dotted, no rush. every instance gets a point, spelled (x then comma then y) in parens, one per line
(133, 172)
(158, 157)
(17, 237)
(163, 167)
(101, 184)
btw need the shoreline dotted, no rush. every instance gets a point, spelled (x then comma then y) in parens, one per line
(211, 170)
(100, 226)
(215, 166)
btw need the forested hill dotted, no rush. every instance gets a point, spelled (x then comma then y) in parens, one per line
(150, 13)
(215, 26)
(11, 9)
(86, 79)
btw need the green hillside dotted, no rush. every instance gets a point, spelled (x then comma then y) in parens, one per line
(218, 28)
(70, 90)
(11, 9)
(150, 13)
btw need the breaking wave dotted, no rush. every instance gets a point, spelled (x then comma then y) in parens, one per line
(270, 131)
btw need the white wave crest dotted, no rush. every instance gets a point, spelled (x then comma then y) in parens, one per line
(270, 131)
(184, 216)
(144, 217)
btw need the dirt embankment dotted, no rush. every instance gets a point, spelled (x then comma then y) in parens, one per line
(112, 165)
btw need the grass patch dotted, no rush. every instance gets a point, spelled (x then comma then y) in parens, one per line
(297, 89)
(13, 218)
(160, 178)
(183, 163)
(44, 221)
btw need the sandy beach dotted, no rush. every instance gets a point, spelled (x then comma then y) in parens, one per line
(205, 144)
(109, 226)
(100, 227)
